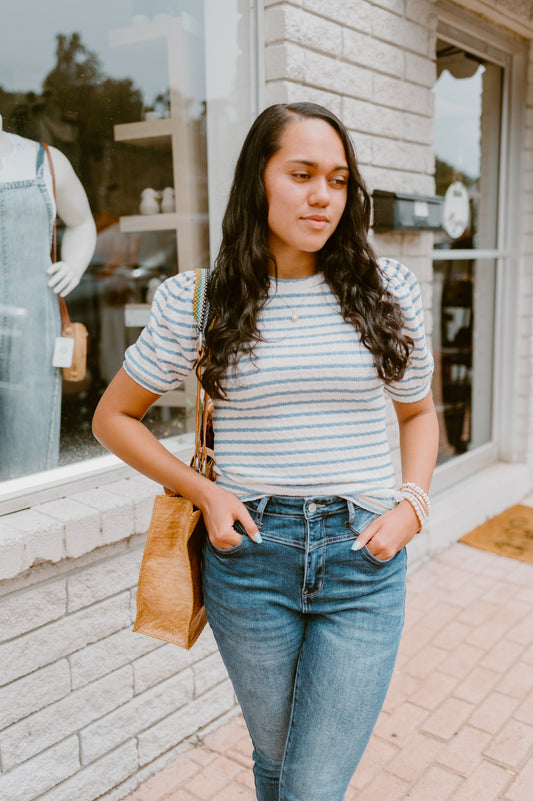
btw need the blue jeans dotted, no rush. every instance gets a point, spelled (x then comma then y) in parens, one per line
(309, 631)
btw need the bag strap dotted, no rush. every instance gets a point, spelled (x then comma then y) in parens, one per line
(200, 303)
(65, 318)
(204, 404)
(203, 455)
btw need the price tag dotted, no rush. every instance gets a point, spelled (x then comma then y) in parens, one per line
(63, 352)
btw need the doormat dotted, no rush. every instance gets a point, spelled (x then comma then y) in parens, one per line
(509, 534)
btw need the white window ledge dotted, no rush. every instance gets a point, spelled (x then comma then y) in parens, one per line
(28, 491)
(65, 520)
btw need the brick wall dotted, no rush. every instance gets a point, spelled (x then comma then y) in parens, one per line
(370, 63)
(86, 706)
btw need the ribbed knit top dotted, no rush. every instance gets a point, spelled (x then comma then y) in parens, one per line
(306, 416)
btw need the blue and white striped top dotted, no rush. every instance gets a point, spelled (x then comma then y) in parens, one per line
(305, 416)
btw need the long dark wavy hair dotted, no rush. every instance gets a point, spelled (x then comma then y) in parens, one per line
(239, 284)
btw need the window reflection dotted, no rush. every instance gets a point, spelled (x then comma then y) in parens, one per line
(467, 133)
(467, 151)
(126, 102)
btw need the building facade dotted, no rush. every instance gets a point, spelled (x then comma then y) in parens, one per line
(438, 96)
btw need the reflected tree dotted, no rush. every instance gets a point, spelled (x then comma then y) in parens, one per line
(76, 111)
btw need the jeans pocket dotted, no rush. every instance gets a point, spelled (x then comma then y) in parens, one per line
(232, 548)
(367, 554)
(239, 528)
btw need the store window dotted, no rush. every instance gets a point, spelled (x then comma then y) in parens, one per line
(468, 111)
(148, 100)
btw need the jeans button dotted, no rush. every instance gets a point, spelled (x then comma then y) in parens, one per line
(311, 508)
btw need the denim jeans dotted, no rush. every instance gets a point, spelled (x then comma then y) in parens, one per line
(309, 631)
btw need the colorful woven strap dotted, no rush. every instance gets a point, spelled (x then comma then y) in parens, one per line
(200, 298)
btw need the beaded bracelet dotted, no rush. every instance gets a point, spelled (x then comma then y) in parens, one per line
(418, 500)
(419, 512)
(414, 489)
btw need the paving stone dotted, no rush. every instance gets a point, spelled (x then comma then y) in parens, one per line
(414, 640)
(448, 719)
(223, 739)
(437, 784)
(502, 655)
(431, 692)
(425, 662)
(452, 634)
(210, 783)
(522, 632)
(520, 789)
(384, 786)
(418, 753)
(485, 784)
(493, 712)
(464, 752)
(476, 686)
(461, 660)
(518, 681)
(524, 711)
(512, 744)
(476, 613)
(406, 719)
(440, 616)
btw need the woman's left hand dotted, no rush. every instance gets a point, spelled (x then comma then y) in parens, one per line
(390, 532)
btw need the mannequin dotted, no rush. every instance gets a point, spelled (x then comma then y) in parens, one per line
(30, 387)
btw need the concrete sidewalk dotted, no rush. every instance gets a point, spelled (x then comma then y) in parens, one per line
(457, 724)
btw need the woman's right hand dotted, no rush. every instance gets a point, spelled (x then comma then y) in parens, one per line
(221, 510)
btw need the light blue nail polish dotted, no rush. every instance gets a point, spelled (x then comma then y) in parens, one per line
(258, 538)
(357, 546)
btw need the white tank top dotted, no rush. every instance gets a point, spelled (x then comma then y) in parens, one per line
(20, 164)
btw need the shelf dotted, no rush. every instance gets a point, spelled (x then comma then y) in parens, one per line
(146, 133)
(148, 222)
(143, 33)
(159, 222)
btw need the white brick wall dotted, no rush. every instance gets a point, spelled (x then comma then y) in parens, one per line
(86, 705)
(373, 65)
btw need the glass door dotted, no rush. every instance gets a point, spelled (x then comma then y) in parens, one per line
(468, 112)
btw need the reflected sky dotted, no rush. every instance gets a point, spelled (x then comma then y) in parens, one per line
(457, 121)
(28, 41)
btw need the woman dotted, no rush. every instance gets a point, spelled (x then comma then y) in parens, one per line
(304, 574)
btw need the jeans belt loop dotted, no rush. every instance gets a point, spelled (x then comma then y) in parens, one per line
(351, 511)
(261, 509)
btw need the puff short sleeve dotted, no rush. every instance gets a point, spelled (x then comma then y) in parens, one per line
(403, 286)
(165, 352)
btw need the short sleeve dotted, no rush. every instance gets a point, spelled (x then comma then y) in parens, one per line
(165, 351)
(403, 286)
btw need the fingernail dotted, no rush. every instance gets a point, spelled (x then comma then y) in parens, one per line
(258, 538)
(357, 546)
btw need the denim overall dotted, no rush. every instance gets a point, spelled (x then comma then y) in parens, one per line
(30, 388)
